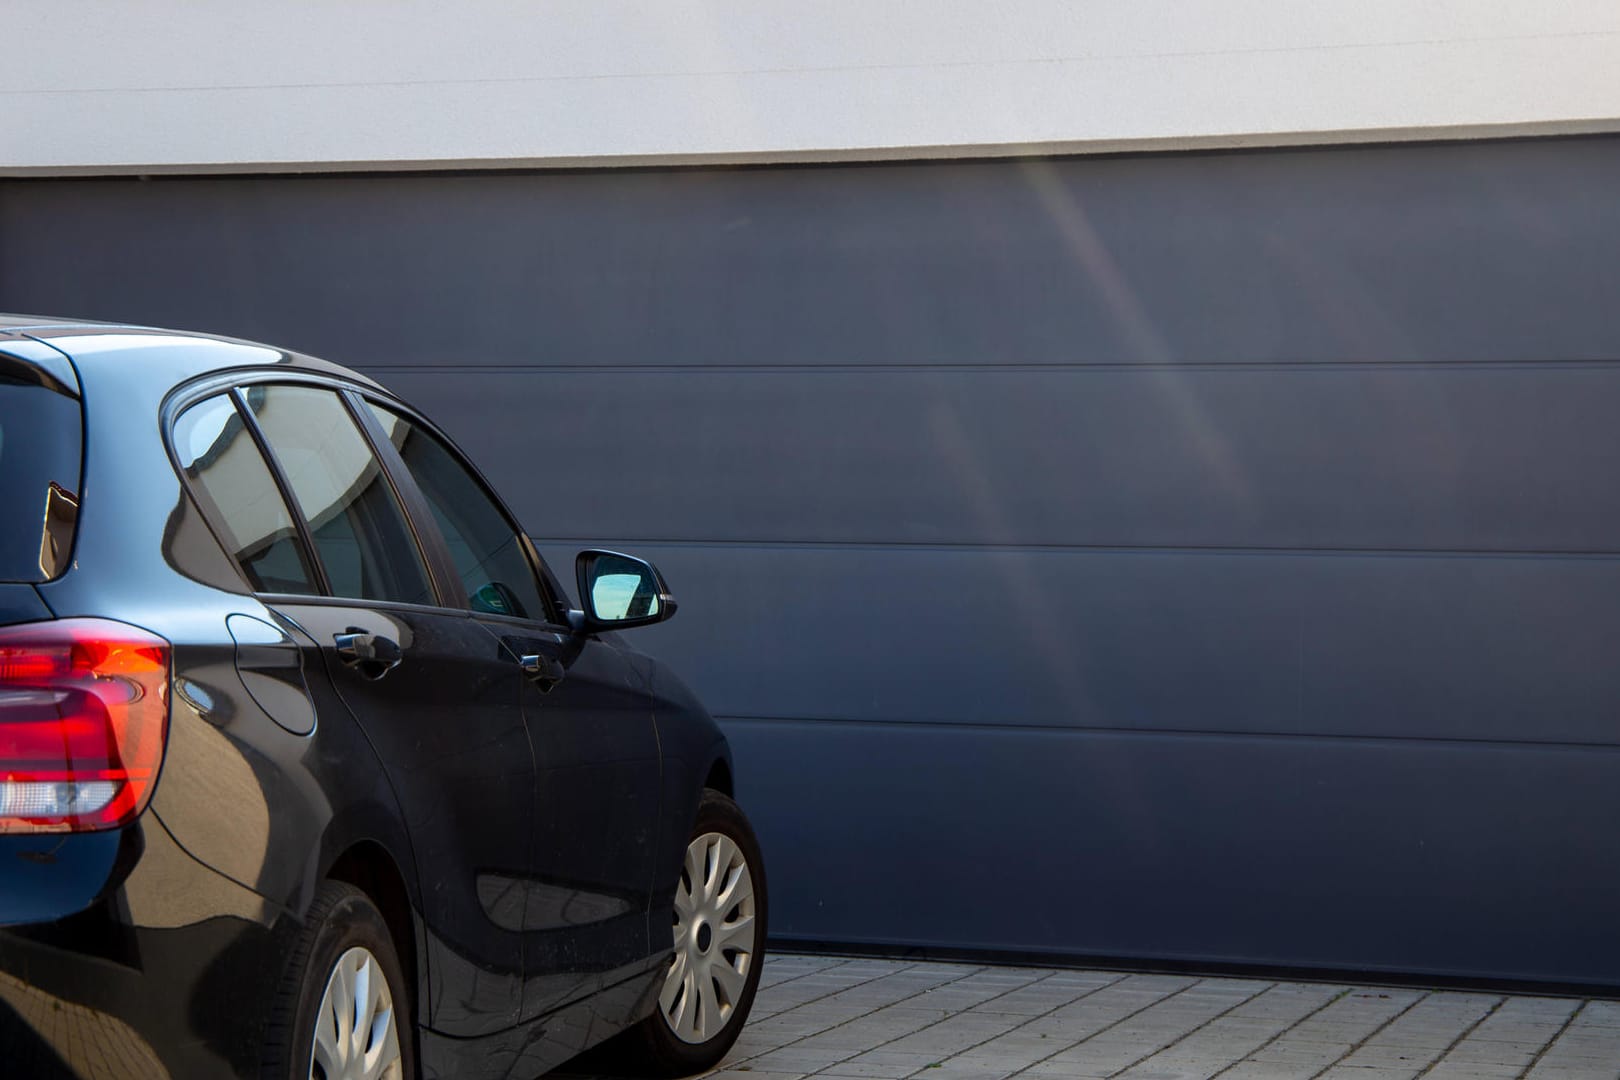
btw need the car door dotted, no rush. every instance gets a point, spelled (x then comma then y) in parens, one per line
(434, 693)
(589, 720)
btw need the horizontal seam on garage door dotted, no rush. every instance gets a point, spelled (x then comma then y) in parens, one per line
(1168, 733)
(1067, 366)
(1093, 549)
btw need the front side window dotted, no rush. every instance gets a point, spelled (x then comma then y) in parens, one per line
(355, 520)
(228, 476)
(488, 552)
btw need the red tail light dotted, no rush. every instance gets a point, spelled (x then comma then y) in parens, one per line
(84, 714)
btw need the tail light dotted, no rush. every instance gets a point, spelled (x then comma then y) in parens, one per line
(84, 714)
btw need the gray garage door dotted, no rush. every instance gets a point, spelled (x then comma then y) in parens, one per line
(1205, 557)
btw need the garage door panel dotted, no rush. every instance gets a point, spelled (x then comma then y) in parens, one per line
(1331, 853)
(1402, 458)
(1397, 647)
(1483, 251)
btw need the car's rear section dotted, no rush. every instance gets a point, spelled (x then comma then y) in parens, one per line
(83, 708)
(82, 702)
(120, 953)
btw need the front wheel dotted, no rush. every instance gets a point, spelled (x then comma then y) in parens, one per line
(719, 931)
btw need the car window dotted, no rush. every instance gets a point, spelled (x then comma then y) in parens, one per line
(229, 477)
(40, 436)
(355, 520)
(488, 552)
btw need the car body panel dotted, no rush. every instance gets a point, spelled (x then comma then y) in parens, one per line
(596, 754)
(693, 749)
(52, 362)
(447, 725)
(20, 603)
(540, 1046)
(147, 979)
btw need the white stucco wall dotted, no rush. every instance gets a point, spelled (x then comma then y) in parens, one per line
(172, 85)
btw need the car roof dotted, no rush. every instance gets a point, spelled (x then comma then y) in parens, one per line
(93, 344)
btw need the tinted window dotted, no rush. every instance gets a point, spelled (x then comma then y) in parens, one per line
(354, 517)
(40, 439)
(229, 477)
(489, 556)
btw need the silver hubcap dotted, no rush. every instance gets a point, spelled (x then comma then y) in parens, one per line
(714, 940)
(355, 1035)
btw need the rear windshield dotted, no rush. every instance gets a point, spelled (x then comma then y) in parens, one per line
(40, 441)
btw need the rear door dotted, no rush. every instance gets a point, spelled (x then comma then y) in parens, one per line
(330, 547)
(588, 717)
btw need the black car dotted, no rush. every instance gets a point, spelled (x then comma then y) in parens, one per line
(308, 766)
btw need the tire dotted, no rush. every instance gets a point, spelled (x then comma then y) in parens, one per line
(342, 950)
(711, 980)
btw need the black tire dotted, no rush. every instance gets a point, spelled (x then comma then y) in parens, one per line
(653, 1043)
(340, 919)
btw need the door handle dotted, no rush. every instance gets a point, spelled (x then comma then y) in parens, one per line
(372, 655)
(543, 671)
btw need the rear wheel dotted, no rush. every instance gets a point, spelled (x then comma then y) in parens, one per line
(719, 929)
(343, 1012)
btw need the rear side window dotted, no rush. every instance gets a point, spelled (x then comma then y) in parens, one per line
(41, 439)
(228, 475)
(354, 517)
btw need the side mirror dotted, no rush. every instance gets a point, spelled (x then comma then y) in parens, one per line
(619, 592)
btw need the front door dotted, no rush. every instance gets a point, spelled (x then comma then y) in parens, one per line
(596, 812)
(589, 719)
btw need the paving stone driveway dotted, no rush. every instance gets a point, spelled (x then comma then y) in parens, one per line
(824, 1016)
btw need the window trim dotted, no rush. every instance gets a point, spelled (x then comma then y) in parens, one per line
(306, 538)
(434, 549)
(209, 512)
(233, 384)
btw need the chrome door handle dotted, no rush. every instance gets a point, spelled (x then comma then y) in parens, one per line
(372, 655)
(543, 671)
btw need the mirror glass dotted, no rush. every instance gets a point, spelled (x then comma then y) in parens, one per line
(622, 589)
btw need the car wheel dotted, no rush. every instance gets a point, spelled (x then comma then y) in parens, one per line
(720, 914)
(343, 1012)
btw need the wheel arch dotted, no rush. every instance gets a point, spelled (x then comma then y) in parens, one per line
(719, 778)
(369, 867)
